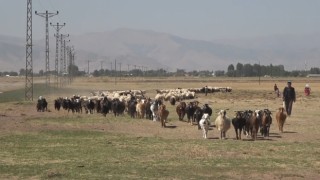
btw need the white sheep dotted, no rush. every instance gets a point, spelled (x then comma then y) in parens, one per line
(222, 123)
(205, 124)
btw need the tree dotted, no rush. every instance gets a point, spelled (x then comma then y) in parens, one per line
(41, 73)
(314, 70)
(219, 73)
(231, 71)
(239, 69)
(74, 70)
(180, 72)
(256, 70)
(231, 67)
(247, 70)
(22, 72)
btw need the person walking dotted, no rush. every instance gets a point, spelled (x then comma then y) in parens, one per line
(206, 90)
(307, 90)
(276, 90)
(289, 96)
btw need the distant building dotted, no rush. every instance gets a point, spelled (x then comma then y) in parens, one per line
(313, 75)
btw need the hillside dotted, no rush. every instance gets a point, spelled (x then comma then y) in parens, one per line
(155, 50)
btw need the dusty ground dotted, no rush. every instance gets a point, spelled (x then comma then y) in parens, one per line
(15, 116)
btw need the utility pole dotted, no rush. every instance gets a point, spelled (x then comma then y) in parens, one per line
(71, 66)
(88, 67)
(29, 64)
(305, 65)
(259, 72)
(69, 63)
(65, 56)
(57, 35)
(128, 74)
(62, 36)
(65, 62)
(110, 69)
(115, 71)
(120, 70)
(47, 15)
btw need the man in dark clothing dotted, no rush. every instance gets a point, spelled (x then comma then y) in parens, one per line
(289, 96)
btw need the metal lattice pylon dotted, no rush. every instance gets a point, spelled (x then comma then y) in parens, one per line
(56, 65)
(47, 15)
(62, 58)
(29, 64)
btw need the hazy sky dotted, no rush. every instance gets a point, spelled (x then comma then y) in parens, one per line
(192, 19)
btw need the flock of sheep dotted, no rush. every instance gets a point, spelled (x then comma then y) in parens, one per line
(137, 105)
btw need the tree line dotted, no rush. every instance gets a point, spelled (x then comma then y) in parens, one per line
(238, 70)
(249, 70)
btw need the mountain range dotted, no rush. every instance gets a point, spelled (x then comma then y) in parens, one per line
(153, 50)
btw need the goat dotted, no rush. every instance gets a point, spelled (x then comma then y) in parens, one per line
(141, 109)
(181, 110)
(204, 124)
(281, 117)
(239, 123)
(252, 125)
(266, 121)
(163, 114)
(198, 115)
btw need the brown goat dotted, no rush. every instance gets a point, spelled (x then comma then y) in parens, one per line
(163, 114)
(266, 122)
(252, 125)
(181, 110)
(281, 118)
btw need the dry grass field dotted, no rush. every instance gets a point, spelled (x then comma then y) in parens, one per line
(62, 145)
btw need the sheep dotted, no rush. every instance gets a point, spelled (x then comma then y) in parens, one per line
(172, 100)
(222, 123)
(281, 118)
(205, 124)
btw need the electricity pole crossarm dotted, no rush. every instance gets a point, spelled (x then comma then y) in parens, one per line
(47, 15)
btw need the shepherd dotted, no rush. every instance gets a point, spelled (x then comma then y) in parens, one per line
(289, 96)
